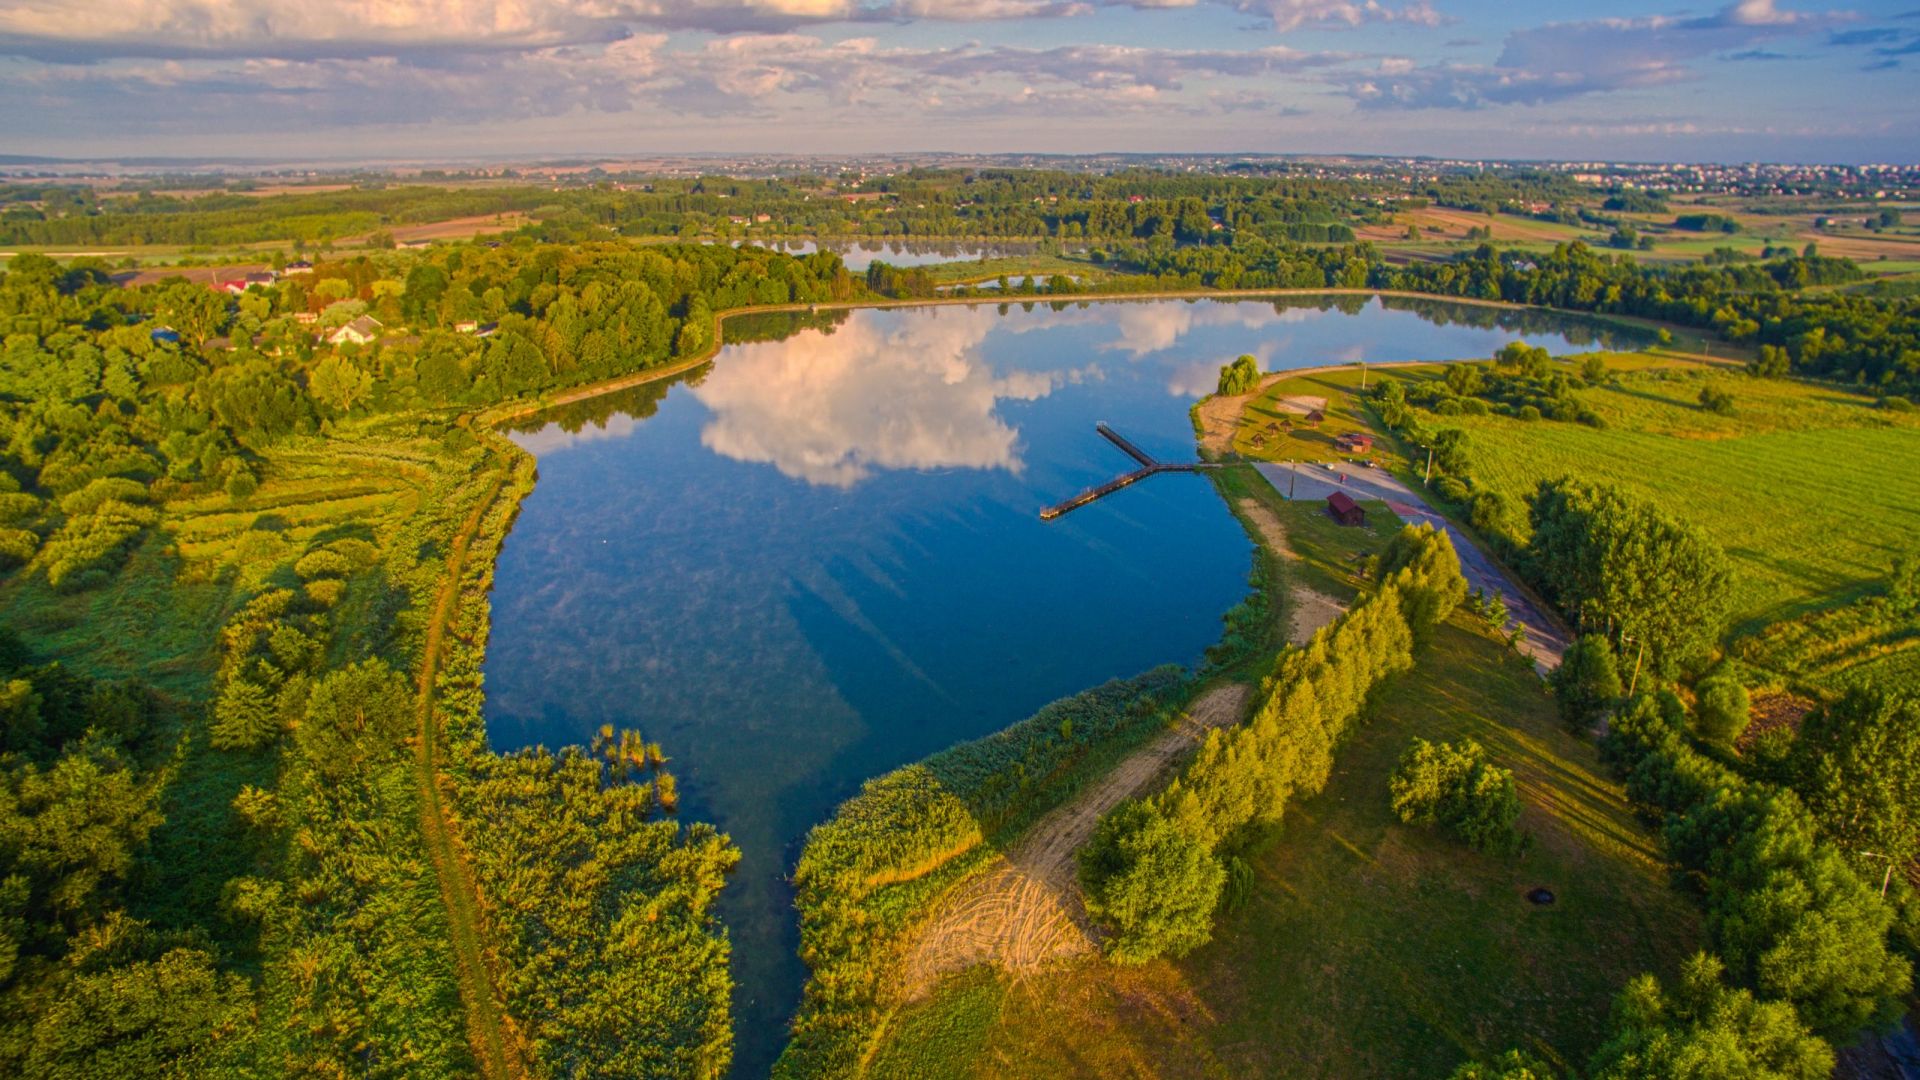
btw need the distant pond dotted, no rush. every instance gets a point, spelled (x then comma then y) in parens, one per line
(820, 557)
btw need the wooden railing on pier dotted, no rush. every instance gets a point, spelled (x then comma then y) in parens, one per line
(1148, 466)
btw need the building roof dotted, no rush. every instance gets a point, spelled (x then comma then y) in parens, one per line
(1339, 503)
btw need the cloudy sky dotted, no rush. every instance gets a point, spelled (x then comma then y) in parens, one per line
(1642, 79)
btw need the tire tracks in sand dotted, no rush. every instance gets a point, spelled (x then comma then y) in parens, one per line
(1025, 910)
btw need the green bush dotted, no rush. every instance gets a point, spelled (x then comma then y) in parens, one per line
(1721, 706)
(1453, 786)
(1512, 1065)
(1156, 886)
(1587, 682)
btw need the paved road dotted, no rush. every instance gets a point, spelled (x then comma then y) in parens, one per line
(1544, 641)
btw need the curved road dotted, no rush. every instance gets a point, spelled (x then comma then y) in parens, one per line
(1545, 641)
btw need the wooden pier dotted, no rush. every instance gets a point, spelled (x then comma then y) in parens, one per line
(1148, 466)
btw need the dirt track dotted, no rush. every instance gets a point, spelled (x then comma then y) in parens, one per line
(1026, 910)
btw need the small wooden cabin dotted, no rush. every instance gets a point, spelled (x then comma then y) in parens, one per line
(1344, 510)
(1356, 442)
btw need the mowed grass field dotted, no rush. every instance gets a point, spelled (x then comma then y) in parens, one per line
(1811, 490)
(1366, 947)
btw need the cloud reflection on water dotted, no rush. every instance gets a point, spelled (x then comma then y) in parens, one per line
(829, 409)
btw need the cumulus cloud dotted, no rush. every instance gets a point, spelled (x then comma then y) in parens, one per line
(1570, 59)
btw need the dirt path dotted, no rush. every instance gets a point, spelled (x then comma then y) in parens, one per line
(1310, 610)
(1026, 910)
(496, 1052)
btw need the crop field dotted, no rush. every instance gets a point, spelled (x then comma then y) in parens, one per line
(1364, 947)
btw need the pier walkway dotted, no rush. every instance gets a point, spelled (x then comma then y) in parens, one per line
(1148, 466)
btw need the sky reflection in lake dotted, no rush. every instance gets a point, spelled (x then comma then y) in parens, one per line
(821, 557)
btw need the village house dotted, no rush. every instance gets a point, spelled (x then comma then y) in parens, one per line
(1344, 510)
(298, 266)
(358, 332)
(241, 284)
(1355, 442)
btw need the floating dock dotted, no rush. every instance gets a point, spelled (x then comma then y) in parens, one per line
(1148, 466)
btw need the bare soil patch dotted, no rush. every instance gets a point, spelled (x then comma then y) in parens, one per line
(1774, 710)
(1026, 910)
(1309, 610)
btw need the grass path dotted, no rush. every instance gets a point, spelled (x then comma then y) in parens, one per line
(496, 1048)
(1026, 910)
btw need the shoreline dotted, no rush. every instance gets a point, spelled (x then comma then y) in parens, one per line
(497, 414)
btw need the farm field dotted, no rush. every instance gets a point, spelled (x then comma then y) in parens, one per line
(1364, 947)
(1784, 484)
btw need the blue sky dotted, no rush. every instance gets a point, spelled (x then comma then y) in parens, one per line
(1748, 80)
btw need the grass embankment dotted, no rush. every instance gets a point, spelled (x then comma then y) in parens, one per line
(1366, 948)
(869, 874)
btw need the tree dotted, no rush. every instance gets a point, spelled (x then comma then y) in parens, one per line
(1240, 377)
(1858, 761)
(1154, 885)
(244, 717)
(338, 383)
(1587, 682)
(1617, 564)
(1455, 787)
(1703, 1030)
(1721, 707)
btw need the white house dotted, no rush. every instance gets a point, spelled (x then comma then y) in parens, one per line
(358, 332)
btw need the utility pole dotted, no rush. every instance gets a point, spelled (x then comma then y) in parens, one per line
(1292, 475)
(1886, 878)
(1363, 376)
(1429, 480)
(1637, 656)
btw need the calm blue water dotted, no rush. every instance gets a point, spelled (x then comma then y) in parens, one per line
(821, 557)
(858, 255)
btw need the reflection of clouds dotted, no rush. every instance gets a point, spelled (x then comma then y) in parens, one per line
(831, 409)
(553, 437)
(1142, 328)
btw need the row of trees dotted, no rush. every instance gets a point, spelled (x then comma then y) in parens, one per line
(1154, 870)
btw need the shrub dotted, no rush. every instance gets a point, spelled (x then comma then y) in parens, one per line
(1896, 403)
(322, 564)
(1454, 786)
(1155, 885)
(1512, 1065)
(1715, 400)
(1720, 710)
(1528, 412)
(1452, 489)
(1586, 682)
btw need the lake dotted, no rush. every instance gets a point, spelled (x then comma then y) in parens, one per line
(860, 254)
(820, 557)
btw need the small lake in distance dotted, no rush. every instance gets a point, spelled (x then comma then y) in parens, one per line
(820, 557)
